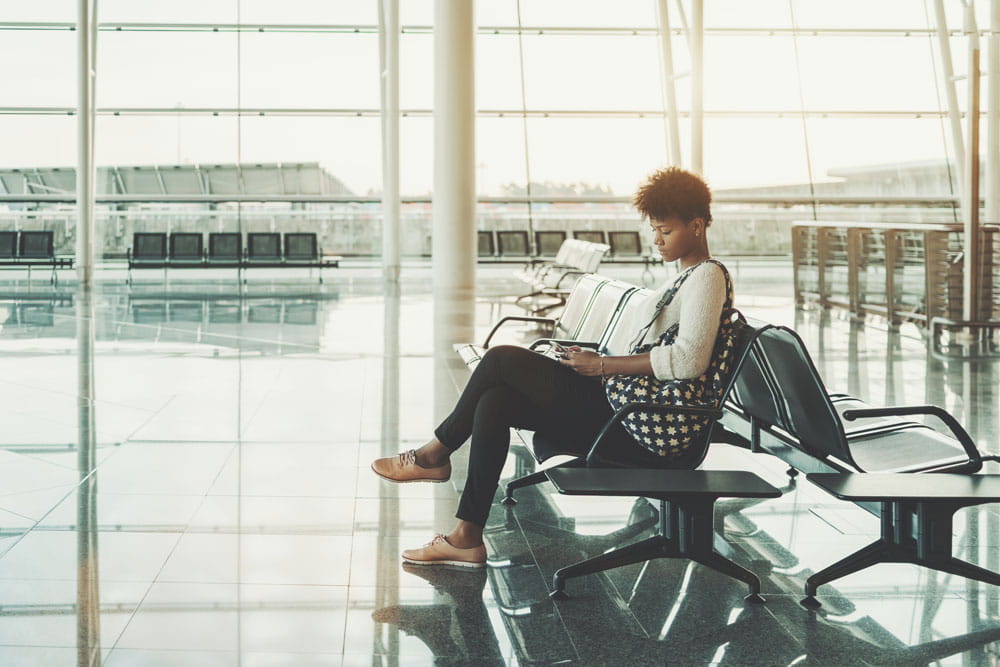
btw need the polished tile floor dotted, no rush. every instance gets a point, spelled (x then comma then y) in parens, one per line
(184, 481)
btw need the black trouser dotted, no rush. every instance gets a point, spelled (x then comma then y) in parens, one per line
(515, 387)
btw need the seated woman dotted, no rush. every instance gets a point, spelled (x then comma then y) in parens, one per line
(516, 387)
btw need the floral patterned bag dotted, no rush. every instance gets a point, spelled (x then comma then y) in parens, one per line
(673, 435)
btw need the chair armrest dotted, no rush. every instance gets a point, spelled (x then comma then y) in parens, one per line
(552, 266)
(572, 272)
(908, 410)
(564, 342)
(626, 410)
(516, 318)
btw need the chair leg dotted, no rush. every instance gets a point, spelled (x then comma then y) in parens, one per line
(720, 563)
(965, 569)
(876, 552)
(531, 479)
(938, 650)
(528, 480)
(648, 549)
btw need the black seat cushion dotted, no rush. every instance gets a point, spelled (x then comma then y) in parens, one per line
(624, 452)
(911, 449)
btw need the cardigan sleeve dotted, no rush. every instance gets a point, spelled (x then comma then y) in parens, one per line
(701, 299)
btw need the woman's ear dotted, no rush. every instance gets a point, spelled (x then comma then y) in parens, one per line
(697, 226)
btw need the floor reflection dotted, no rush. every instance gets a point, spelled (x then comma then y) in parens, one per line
(88, 635)
(237, 521)
(456, 626)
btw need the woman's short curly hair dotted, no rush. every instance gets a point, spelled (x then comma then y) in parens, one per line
(673, 192)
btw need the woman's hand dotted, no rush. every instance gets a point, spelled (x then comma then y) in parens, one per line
(584, 362)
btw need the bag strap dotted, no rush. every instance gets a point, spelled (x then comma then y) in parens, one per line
(668, 296)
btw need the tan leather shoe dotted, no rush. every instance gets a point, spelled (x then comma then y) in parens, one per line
(440, 552)
(404, 468)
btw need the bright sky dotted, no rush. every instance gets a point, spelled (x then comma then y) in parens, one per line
(171, 69)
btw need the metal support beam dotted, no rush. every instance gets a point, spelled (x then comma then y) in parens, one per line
(948, 80)
(993, 116)
(697, 85)
(86, 36)
(972, 260)
(670, 120)
(389, 60)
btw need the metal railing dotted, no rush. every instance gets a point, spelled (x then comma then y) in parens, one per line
(905, 272)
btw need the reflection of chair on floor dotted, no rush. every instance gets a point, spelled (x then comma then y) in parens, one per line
(458, 631)
(534, 625)
(681, 609)
(687, 610)
(827, 640)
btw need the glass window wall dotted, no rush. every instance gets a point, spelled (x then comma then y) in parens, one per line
(804, 100)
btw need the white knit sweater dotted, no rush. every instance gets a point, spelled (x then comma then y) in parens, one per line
(697, 306)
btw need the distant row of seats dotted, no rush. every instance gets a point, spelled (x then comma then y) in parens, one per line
(624, 245)
(186, 250)
(552, 281)
(224, 247)
(31, 248)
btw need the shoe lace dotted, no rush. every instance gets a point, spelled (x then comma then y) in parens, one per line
(408, 458)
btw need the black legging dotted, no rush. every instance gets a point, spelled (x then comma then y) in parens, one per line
(515, 387)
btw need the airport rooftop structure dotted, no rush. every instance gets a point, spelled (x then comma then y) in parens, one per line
(180, 179)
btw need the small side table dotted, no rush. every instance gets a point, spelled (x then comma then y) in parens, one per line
(917, 516)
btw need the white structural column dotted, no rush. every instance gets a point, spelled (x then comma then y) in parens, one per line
(948, 81)
(389, 60)
(454, 201)
(672, 126)
(453, 245)
(697, 85)
(993, 117)
(972, 265)
(86, 36)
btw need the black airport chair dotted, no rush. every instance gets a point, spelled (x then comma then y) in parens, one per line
(149, 247)
(548, 243)
(513, 244)
(301, 247)
(8, 245)
(264, 247)
(487, 245)
(35, 245)
(589, 236)
(225, 248)
(625, 244)
(186, 247)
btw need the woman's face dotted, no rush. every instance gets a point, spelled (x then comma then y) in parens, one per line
(674, 238)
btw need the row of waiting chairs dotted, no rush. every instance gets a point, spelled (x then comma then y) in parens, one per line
(227, 250)
(551, 282)
(223, 247)
(515, 244)
(591, 317)
(26, 245)
(31, 248)
(778, 405)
